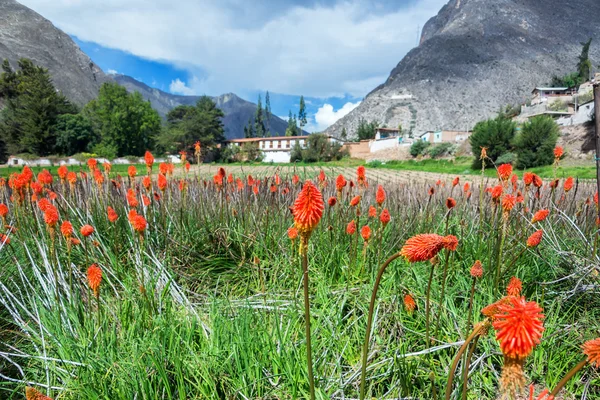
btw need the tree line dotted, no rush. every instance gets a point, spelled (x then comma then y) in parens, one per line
(35, 118)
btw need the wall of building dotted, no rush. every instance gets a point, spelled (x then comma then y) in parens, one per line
(583, 115)
(277, 156)
(357, 149)
(383, 144)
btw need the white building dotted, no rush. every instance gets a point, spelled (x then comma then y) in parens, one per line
(278, 148)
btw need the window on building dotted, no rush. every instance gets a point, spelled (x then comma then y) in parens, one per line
(279, 144)
(270, 144)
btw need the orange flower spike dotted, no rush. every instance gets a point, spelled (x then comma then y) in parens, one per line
(425, 246)
(351, 228)
(504, 172)
(518, 326)
(385, 217)
(308, 208)
(147, 183)
(86, 230)
(332, 201)
(361, 177)
(528, 178)
(34, 394)
(66, 228)
(92, 164)
(450, 203)
(132, 171)
(340, 183)
(107, 167)
(292, 233)
(540, 216)
(568, 185)
(535, 238)
(4, 239)
(591, 349)
(355, 200)
(508, 202)
(558, 152)
(62, 172)
(455, 181)
(162, 182)
(149, 160)
(94, 276)
(51, 216)
(139, 224)
(372, 212)
(476, 270)
(409, 303)
(514, 286)
(365, 232)
(466, 187)
(380, 195)
(537, 181)
(112, 214)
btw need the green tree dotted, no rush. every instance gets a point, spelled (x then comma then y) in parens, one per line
(124, 121)
(344, 135)
(249, 129)
(32, 106)
(366, 130)
(302, 114)
(318, 148)
(292, 128)
(534, 145)
(268, 114)
(584, 65)
(189, 124)
(419, 148)
(495, 135)
(74, 134)
(259, 120)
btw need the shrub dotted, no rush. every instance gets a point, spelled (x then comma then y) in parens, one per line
(441, 149)
(318, 148)
(506, 158)
(494, 134)
(558, 105)
(535, 143)
(105, 150)
(366, 130)
(418, 148)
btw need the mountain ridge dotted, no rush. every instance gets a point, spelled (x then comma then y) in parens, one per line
(474, 57)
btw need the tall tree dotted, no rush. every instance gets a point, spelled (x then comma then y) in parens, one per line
(584, 65)
(495, 135)
(32, 106)
(268, 114)
(302, 114)
(535, 142)
(187, 125)
(259, 119)
(249, 129)
(344, 135)
(127, 124)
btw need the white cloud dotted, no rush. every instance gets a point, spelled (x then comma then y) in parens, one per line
(327, 116)
(112, 72)
(179, 87)
(317, 49)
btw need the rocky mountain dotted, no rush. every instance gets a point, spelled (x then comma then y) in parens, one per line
(237, 110)
(26, 34)
(476, 56)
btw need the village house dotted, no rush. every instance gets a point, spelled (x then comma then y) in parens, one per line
(549, 94)
(445, 136)
(276, 148)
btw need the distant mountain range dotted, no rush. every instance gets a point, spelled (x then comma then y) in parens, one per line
(476, 56)
(26, 34)
(237, 110)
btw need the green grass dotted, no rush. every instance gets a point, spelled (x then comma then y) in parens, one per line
(222, 315)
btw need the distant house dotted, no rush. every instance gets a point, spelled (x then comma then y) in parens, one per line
(445, 136)
(384, 133)
(276, 148)
(550, 94)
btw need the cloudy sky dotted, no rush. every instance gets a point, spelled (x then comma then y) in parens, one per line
(331, 51)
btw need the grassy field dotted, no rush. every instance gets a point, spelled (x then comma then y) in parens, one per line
(206, 299)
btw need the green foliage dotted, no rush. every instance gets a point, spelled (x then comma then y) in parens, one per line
(510, 111)
(344, 135)
(584, 65)
(535, 143)
(441, 149)
(124, 121)
(268, 114)
(318, 148)
(366, 130)
(570, 80)
(105, 150)
(494, 134)
(419, 148)
(507, 158)
(251, 153)
(259, 120)
(74, 134)
(292, 128)
(558, 105)
(302, 113)
(188, 124)
(32, 107)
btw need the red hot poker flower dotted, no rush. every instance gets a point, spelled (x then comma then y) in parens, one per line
(456, 181)
(139, 224)
(380, 195)
(351, 228)
(518, 326)
(476, 270)
(558, 152)
(365, 232)
(385, 217)
(292, 233)
(425, 246)
(508, 202)
(540, 216)
(308, 208)
(112, 214)
(514, 286)
(149, 160)
(535, 238)
(372, 212)
(528, 178)
(34, 394)
(340, 183)
(450, 203)
(355, 200)
(591, 349)
(87, 230)
(568, 184)
(94, 275)
(132, 171)
(409, 303)
(66, 228)
(332, 201)
(504, 172)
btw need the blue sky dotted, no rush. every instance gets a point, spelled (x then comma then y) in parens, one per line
(331, 51)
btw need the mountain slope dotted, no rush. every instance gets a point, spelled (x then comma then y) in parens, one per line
(237, 110)
(26, 34)
(476, 56)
